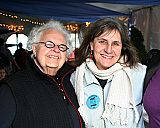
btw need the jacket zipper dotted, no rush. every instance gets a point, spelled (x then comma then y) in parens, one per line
(103, 106)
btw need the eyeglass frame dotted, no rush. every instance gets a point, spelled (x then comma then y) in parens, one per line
(59, 46)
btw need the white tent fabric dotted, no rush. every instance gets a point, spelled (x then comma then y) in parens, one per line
(147, 20)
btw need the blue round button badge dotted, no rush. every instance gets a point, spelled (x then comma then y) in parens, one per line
(93, 101)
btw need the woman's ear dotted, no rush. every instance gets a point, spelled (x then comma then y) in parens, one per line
(91, 45)
(34, 49)
(91, 52)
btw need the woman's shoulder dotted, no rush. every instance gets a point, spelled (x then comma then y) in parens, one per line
(138, 68)
(141, 67)
(137, 72)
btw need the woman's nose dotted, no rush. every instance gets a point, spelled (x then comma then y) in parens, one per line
(108, 49)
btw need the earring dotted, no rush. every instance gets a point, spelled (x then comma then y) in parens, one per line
(91, 54)
(33, 56)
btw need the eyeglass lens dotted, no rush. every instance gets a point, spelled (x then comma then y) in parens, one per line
(61, 47)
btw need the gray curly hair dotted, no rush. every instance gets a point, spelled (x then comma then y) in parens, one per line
(37, 31)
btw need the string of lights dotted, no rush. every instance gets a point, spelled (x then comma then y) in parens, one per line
(17, 28)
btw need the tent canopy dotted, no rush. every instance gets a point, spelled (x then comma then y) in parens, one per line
(74, 10)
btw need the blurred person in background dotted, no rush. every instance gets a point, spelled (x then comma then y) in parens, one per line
(3, 72)
(152, 88)
(20, 56)
(7, 58)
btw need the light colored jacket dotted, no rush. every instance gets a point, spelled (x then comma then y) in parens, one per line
(136, 76)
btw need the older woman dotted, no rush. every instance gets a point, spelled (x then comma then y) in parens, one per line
(109, 80)
(41, 96)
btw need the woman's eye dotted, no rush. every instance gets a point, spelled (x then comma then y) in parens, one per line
(116, 43)
(102, 42)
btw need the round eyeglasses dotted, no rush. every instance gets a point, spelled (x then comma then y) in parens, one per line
(50, 44)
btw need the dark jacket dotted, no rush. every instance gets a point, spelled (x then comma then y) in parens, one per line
(41, 101)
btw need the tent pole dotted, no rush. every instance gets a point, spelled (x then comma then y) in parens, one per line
(17, 39)
(75, 45)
